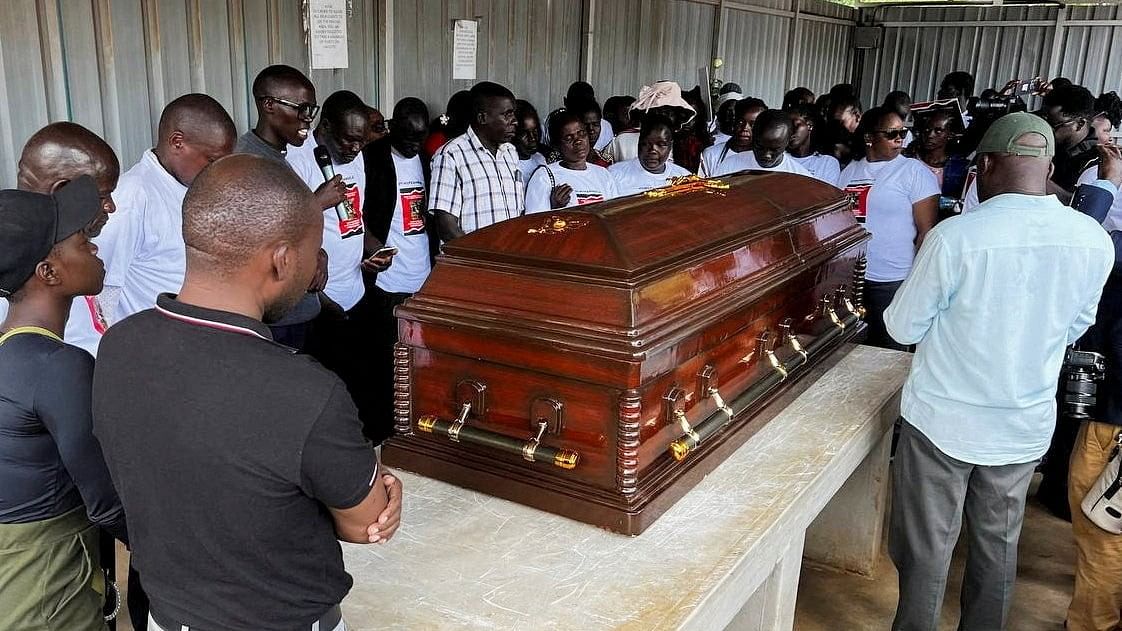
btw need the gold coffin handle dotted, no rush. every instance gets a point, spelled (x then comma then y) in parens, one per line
(531, 450)
(682, 447)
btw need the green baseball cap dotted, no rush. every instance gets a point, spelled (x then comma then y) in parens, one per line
(1003, 134)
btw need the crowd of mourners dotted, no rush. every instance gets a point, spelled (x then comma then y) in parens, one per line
(238, 293)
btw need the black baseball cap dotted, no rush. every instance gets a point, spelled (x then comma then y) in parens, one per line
(32, 223)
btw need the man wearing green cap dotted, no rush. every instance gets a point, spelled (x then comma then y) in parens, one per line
(55, 485)
(992, 301)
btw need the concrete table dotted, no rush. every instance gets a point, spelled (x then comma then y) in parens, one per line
(728, 554)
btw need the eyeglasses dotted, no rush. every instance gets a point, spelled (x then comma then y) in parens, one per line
(893, 134)
(1064, 123)
(306, 111)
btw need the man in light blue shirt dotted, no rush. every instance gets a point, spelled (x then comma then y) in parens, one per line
(992, 301)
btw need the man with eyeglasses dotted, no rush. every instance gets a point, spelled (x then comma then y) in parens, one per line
(1069, 110)
(286, 109)
(143, 245)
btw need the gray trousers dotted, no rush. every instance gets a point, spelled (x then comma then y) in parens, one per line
(931, 492)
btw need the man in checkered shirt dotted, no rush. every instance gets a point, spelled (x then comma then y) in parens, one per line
(475, 177)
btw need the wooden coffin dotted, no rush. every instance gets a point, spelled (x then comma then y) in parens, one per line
(596, 364)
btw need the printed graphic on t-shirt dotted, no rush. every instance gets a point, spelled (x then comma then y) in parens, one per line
(350, 219)
(861, 191)
(97, 318)
(588, 197)
(971, 175)
(412, 210)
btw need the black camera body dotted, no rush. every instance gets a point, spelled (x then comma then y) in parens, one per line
(995, 106)
(1081, 371)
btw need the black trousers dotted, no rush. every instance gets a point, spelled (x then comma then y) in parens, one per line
(877, 298)
(377, 310)
(357, 345)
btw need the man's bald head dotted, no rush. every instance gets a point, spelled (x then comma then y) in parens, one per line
(64, 151)
(241, 204)
(251, 227)
(196, 116)
(194, 131)
(277, 78)
(61, 152)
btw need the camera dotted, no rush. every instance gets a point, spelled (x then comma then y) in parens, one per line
(1080, 372)
(996, 105)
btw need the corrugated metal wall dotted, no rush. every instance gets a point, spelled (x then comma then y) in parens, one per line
(756, 53)
(762, 57)
(112, 65)
(534, 46)
(1092, 55)
(531, 46)
(827, 59)
(638, 42)
(920, 45)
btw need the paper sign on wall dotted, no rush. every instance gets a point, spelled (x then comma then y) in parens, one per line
(327, 33)
(464, 45)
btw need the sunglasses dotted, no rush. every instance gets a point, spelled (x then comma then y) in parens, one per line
(306, 111)
(893, 134)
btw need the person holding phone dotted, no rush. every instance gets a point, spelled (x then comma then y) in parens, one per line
(399, 230)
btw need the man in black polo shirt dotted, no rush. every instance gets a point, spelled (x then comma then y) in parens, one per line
(240, 461)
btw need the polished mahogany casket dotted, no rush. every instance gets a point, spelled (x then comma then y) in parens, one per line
(597, 364)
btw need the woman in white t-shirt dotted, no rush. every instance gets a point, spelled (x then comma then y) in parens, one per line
(652, 169)
(802, 148)
(572, 181)
(898, 201)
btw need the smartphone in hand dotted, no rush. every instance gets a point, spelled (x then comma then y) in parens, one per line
(382, 253)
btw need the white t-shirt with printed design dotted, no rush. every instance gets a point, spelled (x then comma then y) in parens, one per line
(411, 264)
(632, 178)
(591, 185)
(886, 191)
(344, 254)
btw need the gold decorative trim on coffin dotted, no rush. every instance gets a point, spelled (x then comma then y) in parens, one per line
(556, 224)
(689, 184)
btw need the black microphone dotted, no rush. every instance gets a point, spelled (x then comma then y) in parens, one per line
(323, 159)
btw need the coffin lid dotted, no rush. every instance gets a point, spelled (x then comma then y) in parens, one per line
(632, 236)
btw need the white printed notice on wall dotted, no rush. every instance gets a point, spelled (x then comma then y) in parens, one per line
(327, 33)
(464, 45)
